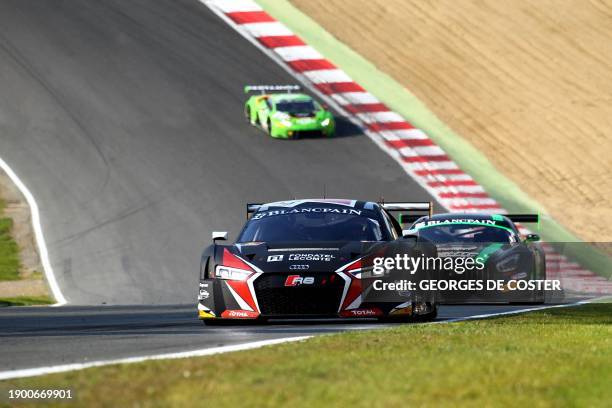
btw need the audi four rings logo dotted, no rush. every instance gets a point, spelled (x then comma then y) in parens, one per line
(299, 267)
(296, 280)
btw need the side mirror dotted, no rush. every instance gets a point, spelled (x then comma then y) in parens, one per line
(219, 236)
(532, 238)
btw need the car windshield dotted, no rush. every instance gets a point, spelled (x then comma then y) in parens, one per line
(466, 233)
(293, 107)
(311, 226)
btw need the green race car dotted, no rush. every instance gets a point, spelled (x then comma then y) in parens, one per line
(287, 115)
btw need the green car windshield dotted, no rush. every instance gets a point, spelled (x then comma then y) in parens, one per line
(295, 107)
(466, 233)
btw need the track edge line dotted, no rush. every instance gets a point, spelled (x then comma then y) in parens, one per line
(38, 233)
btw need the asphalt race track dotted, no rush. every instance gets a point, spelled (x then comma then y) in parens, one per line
(38, 337)
(125, 120)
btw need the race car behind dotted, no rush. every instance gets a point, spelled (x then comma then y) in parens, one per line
(495, 241)
(284, 114)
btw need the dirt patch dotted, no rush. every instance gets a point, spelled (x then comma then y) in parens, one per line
(16, 207)
(528, 83)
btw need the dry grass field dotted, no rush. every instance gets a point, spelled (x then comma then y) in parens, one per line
(528, 83)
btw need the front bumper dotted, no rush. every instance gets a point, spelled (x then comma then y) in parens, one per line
(296, 130)
(335, 295)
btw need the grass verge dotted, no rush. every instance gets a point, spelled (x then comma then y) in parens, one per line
(10, 265)
(555, 357)
(25, 301)
(9, 251)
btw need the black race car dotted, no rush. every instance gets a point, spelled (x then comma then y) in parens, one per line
(516, 263)
(308, 259)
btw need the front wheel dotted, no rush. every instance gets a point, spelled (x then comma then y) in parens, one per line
(426, 317)
(247, 114)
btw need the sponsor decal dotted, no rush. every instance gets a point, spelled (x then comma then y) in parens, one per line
(312, 257)
(275, 258)
(297, 280)
(453, 221)
(299, 267)
(203, 294)
(319, 210)
(369, 312)
(239, 314)
(206, 314)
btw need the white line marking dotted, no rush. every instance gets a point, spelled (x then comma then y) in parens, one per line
(512, 312)
(404, 134)
(354, 98)
(380, 117)
(320, 76)
(294, 53)
(271, 29)
(32, 372)
(38, 233)
(421, 151)
(229, 6)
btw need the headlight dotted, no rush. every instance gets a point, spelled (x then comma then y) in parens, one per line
(325, 122)
(225, 272)
(508, 264)
(285, 123)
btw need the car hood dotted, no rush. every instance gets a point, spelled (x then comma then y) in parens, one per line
(301, 256)
(469, 250)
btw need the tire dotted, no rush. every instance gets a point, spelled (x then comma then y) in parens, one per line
(426, 317)
(213, 322)
(247, 113)
(269, 127)
(411, 318)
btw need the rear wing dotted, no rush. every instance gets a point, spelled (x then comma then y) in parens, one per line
(423, 208)
(523, 217)
(252, 208)
(272, 88)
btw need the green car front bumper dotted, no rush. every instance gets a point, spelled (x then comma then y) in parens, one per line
(294, 128)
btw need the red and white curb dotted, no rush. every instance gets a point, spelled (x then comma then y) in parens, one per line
(409, 146)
